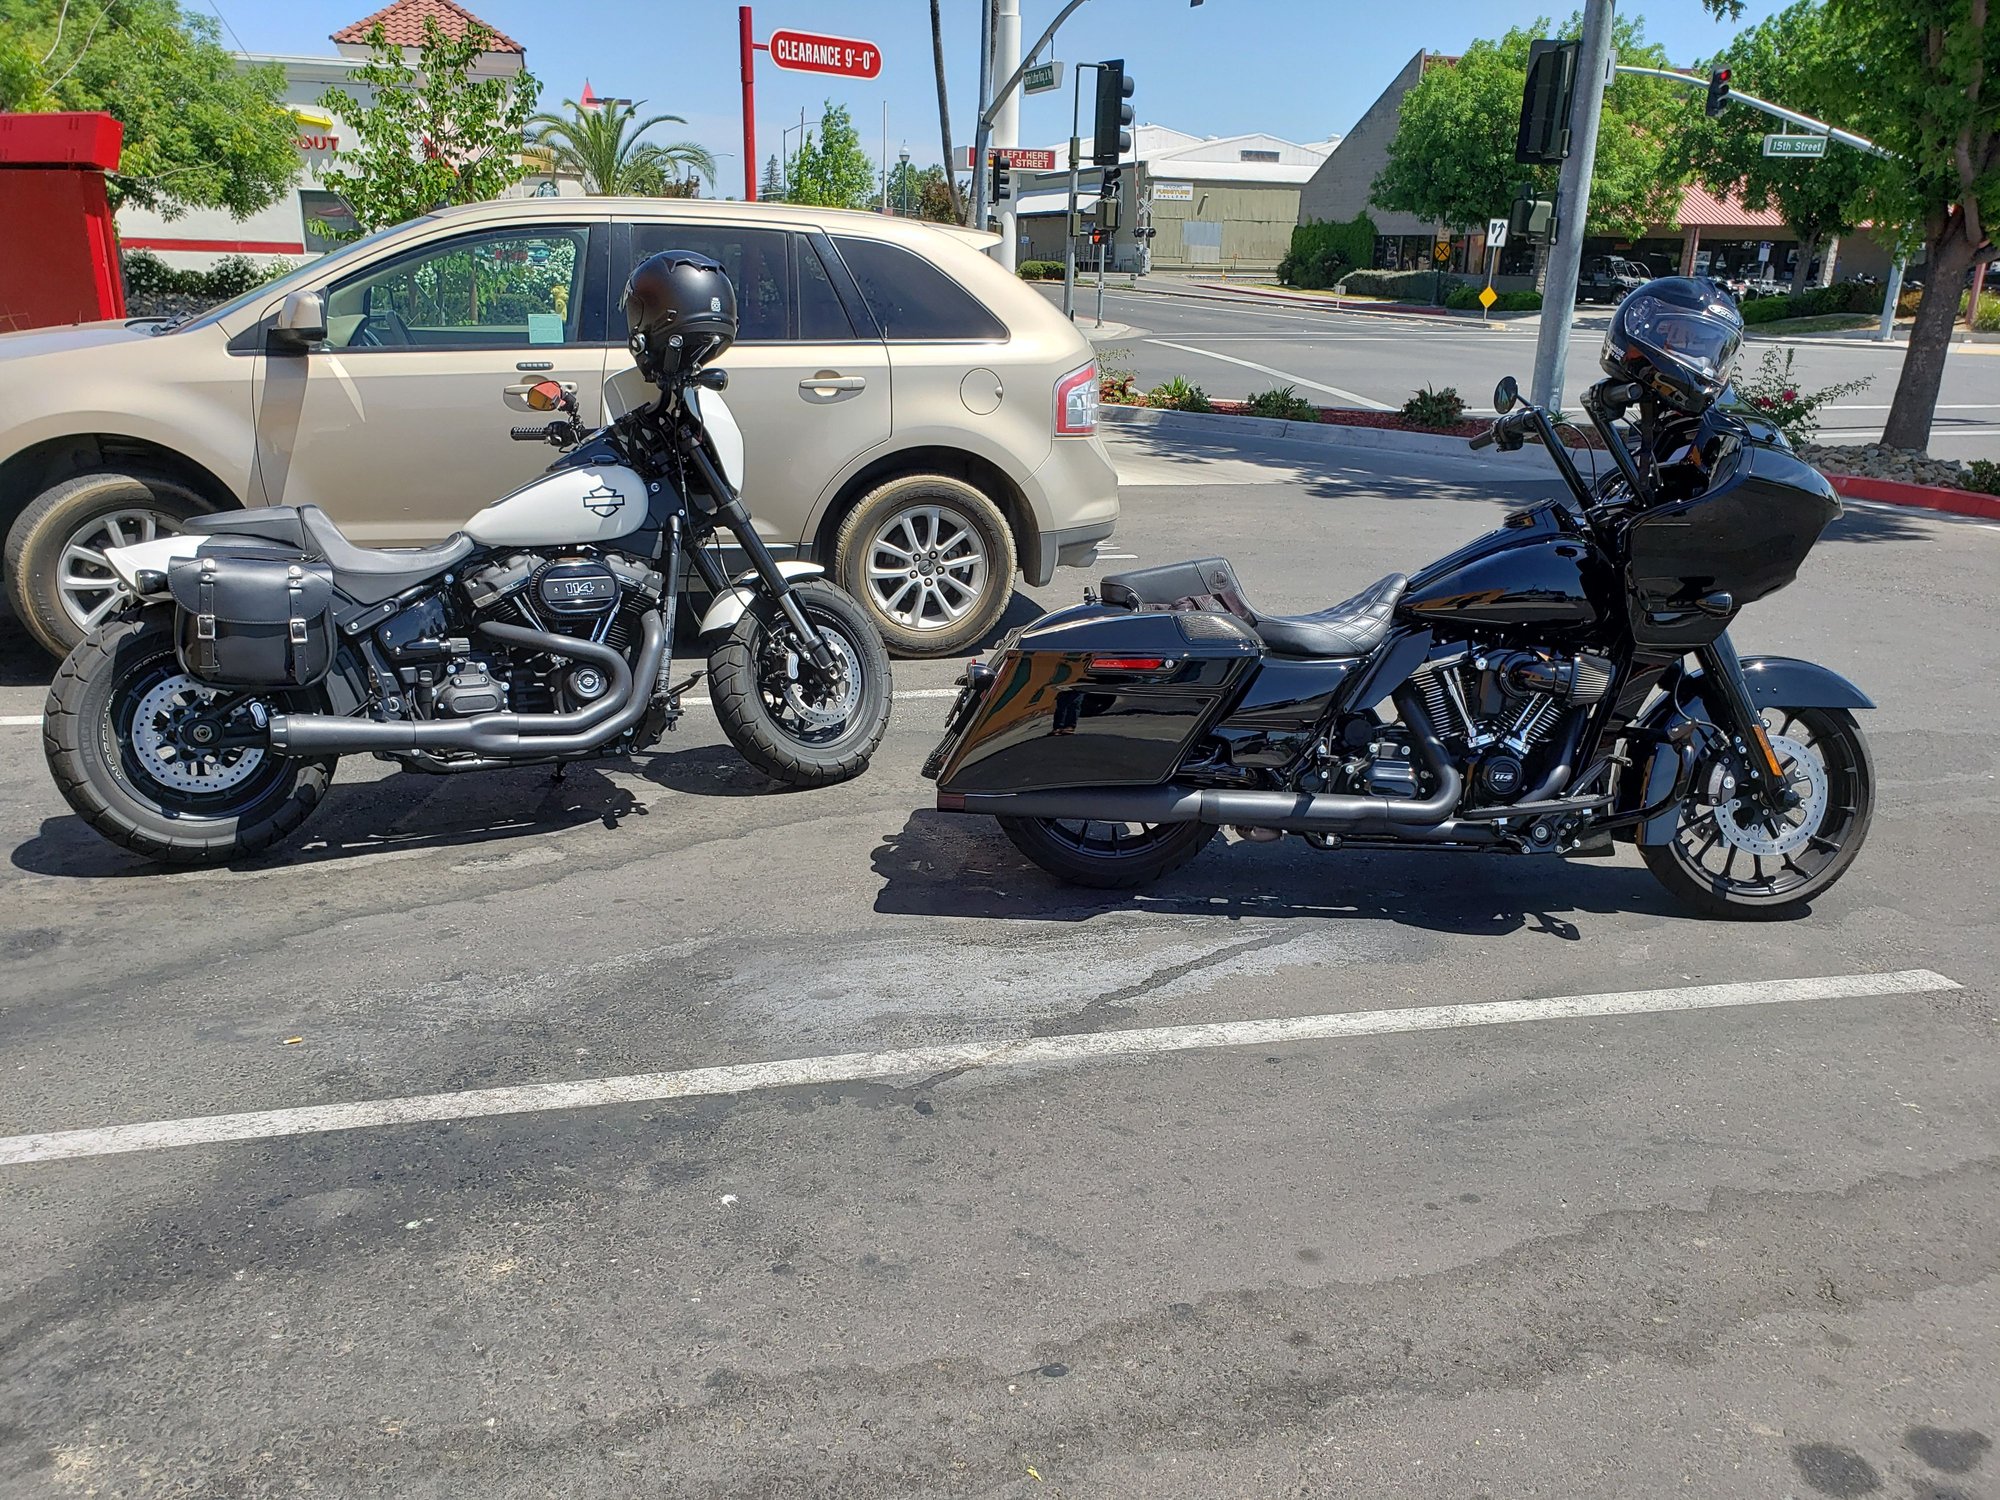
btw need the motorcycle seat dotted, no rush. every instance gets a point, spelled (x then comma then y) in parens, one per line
(1353, 627)
(367, 575)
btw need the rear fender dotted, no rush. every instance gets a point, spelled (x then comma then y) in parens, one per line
(153, 557)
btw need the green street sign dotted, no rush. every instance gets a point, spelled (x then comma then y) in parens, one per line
(1041, 78)
(1795, 145)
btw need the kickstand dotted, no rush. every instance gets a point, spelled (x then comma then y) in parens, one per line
(561, 771)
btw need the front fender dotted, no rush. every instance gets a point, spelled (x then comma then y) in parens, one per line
(1787, 682)
(727, 608)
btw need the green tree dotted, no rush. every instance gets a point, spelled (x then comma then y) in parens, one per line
(921, 193)
(832, 170)
(771, 186)
(603, 147)
(1929, 90)
(431, 135)
(1788, 59)
(200, 132)
(943, 197)
(1452, 159)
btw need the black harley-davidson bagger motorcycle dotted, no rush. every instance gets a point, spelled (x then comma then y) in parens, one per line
(1563, 682)
(204, 722)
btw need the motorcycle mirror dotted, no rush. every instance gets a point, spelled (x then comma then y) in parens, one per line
(545, 395)
(1506, 394)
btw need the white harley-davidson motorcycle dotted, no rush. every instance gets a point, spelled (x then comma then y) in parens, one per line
(204, 722)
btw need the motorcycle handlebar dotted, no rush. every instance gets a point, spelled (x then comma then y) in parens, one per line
(529, 434)
(1485, 439)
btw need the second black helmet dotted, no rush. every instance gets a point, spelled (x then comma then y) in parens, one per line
(680, 313)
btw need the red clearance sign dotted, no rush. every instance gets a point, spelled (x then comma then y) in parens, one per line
(1023, 158)
(807, 53)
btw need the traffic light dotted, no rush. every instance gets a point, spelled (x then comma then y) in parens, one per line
(1543, 138)
(1108, 188)
(1718, 92)
(1110, 139)
(1530, 217)
(1003, 167)
(1107, 213)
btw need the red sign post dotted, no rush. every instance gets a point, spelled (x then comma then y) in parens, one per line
(801, 51)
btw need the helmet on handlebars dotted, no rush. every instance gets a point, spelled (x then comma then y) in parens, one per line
(680, 312)
(1677, 337)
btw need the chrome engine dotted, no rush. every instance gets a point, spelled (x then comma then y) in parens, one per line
(1495, 708)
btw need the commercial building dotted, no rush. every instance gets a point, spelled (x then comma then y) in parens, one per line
(1227, 202)
(298, 224)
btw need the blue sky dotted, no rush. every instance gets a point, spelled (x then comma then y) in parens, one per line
(1302, 69)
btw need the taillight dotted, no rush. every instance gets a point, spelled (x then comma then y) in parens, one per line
(1076, 402)
(1130, 663)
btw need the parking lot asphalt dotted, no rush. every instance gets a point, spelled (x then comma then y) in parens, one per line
(1710, 1245)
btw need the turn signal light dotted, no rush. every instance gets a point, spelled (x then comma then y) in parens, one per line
(1129, 663)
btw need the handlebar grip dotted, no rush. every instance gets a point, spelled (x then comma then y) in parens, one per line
(1484, 440)
(529, 434)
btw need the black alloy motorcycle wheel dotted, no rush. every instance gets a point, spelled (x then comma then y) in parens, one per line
(1724, 862)
(789, 720)
(1109, 856)
(116, 731)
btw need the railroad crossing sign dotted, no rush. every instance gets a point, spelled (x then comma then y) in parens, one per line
(1496, 234)
(1441, 251)
(1795, 145)
(807, 52)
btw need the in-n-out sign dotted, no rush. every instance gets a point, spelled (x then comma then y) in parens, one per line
(805, 52)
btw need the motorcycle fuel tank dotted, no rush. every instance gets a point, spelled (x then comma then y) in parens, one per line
(1538, 571)
(589, 503)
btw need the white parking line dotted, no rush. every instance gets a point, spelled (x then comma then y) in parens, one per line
(922, 1062)
(1331, 390)
(34, 721)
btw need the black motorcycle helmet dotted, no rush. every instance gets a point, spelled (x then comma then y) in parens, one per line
(1677, 337)
(680, 313)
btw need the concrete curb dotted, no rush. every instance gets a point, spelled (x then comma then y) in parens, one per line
(1238, 297)
(1920, 496)
(1372, 309)
(1327, 434)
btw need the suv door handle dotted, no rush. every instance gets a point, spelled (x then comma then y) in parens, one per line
(834, 383)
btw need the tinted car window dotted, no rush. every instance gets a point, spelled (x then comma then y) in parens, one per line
(822, 320)
(494, 291)
(754, 259)
(912, 299)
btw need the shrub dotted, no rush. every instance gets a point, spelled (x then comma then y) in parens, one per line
(1765, 310)
(1179, 395)
(1775, 395)
(1439, 408)
(148, 279)
(1116, 380)
(1463, 297)
(1403, 286)
(1527, 300)
(1982, 475)
(1906, 303)
(1321, 252)
(1041, 270)
(1284, 402)
(1987, 319)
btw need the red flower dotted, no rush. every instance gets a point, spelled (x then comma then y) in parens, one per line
(1764, 401)
(1790, 395)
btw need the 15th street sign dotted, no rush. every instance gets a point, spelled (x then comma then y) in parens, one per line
(805, 52)
(1795, 145)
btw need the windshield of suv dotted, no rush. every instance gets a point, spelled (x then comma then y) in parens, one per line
(285, 283)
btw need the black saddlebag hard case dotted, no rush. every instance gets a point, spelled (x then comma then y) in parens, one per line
(254, 617)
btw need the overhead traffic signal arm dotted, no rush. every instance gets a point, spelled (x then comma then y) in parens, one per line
(1727, 94)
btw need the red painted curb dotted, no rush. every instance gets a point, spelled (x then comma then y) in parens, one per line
(1925, 496)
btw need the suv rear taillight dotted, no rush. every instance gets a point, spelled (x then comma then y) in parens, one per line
(1076, 402)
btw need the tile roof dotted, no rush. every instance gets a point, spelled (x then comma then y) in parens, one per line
(403, 22)
(1704, 210)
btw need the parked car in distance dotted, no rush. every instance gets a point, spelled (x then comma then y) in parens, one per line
(919, 421)
(1607, 278)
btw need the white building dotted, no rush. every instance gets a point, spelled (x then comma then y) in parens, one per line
(1214, 201)
(202, 236)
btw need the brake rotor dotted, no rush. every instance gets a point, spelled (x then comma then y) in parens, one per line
(832, 697)
(170, 757)
(1743, 827)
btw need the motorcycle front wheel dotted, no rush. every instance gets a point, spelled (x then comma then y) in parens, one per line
(1725, 862)
(792, 721)
(120, 731)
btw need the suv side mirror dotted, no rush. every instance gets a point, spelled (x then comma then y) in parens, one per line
(301, 320)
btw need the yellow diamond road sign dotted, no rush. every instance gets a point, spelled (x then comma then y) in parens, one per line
(1487, 296)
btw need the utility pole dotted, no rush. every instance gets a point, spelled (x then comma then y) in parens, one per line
(975, 217)
(1007, 116)
(1593, 70)
(1075, 162)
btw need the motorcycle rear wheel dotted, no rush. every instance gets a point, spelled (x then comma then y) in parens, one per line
(1108, 856)
(108, 733)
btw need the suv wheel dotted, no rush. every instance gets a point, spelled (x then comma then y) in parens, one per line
(58, 581)
(932, 561)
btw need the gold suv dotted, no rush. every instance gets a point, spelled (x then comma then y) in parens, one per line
(916, 419)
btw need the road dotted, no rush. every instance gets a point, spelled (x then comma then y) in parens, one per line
(1233, 348)
(1745, 1250)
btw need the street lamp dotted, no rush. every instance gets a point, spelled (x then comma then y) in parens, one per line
(903, 159)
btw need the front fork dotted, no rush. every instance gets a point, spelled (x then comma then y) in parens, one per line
(728, 509)
(1729, 697)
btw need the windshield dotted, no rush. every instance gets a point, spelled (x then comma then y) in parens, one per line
(290, 279)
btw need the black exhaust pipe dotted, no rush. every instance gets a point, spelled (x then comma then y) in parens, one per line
(1290, 812)
(504, 736)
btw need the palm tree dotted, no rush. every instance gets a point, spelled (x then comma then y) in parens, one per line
(602, 147)
(944, 113)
